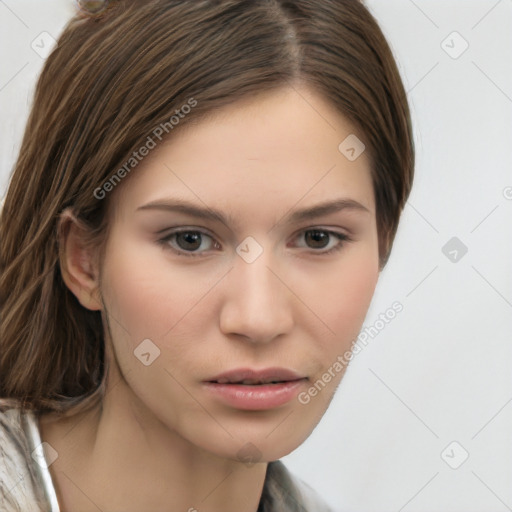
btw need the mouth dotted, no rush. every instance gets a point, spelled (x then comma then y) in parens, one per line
(247, 389)
(248, 377)
(250, 382)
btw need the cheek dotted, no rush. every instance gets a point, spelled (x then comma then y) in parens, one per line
(354, 293)
(342, 300)
(342, 306)
(146, 293)
(149, 297)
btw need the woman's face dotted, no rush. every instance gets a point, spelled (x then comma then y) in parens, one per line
(268, 286)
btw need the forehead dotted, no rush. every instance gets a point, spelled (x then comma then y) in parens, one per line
(272, 151)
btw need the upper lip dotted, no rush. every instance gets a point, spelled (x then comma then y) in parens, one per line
(262, 376)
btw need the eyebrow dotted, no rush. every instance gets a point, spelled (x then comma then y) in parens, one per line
(206, 213)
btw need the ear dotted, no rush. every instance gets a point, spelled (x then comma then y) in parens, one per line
(78, 263)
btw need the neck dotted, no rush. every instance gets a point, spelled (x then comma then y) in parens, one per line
(121, 457)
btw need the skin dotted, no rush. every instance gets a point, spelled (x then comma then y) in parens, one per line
(161, 441)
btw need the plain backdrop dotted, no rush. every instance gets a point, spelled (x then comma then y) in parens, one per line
(423, 418)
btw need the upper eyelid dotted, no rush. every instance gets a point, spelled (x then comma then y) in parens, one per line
(186, 229)
(176, 231)
(202, 229)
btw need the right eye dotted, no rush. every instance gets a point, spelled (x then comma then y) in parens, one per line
(188, 242)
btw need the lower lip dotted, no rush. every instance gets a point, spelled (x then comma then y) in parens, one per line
(258, 397)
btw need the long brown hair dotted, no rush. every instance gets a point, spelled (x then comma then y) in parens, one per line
(112, 79)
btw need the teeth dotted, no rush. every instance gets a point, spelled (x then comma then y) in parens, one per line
(222, 381)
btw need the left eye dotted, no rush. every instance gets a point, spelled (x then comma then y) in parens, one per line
(324, 239)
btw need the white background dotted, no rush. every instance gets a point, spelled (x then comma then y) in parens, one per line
(441, 370)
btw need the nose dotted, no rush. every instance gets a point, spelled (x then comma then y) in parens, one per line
(258, 304)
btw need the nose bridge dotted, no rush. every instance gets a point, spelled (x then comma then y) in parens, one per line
(257, 304)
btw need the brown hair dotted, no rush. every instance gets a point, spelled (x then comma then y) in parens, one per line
(113, 78)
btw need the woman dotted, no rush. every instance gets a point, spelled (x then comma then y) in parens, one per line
(205, 195)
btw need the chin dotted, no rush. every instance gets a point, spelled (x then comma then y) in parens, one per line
(255, 444)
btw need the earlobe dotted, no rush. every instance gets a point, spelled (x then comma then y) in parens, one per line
(78, 262)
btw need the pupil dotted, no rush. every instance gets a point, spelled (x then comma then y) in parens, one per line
(317, 237)
(191, 238)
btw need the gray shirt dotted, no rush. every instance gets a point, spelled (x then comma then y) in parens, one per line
(26, 483)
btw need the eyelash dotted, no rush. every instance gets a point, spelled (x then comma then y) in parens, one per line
(164, 242)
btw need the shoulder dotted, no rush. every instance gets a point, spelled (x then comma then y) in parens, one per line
(288, 492)
(20, 481)
(312, 500)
